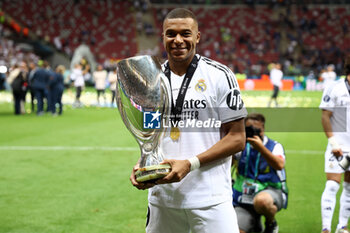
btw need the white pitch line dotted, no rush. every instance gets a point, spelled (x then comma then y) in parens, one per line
(305, 152)
(106, 148)
(74, 148)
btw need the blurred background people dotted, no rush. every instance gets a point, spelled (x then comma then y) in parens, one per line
(56, 90)
(39, 83)
(276, 76)
(17, 80)
(328, 76)
(77, 77)
(112, 79)
(100, 78)
(32, 69)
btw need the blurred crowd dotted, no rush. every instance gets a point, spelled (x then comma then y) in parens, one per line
(303, 38)
(307, 40)
(36, 83)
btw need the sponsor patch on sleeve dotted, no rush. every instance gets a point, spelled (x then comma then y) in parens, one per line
(234, 100)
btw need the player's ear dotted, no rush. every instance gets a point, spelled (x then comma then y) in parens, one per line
(198, 37)
(163, 39)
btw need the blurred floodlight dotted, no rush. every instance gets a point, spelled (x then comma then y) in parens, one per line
(3, 69)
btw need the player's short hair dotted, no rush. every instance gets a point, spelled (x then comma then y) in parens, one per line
(181, 13)
(347, 65)
(256, 117)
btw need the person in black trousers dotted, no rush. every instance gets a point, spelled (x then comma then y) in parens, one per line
(56, 90)
(17, 80)
(40, 82)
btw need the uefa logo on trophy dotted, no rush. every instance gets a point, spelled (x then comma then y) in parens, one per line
(144, 101)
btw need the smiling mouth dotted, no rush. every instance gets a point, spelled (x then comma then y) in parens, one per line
(178, 51)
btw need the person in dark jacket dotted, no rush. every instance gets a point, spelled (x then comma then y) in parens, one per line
(31, 72)
(17, 79)
(40, 82)
(56, 90)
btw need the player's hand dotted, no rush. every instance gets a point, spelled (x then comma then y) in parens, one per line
(256, 142)
(137, 184)
(337, 152)
(179, 169)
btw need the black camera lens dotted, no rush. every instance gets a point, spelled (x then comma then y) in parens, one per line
(251, 131)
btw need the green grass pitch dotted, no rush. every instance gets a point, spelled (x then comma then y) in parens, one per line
(70, 174)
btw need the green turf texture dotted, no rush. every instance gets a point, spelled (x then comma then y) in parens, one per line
(88, 191)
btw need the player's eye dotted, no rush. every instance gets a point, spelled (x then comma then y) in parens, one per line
(170, 34)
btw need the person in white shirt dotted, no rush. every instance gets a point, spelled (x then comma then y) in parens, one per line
(276, 76)
(329, 76)
(335, 107)
(196, 195)
(100, 79)
(79, 83)
(112, 79)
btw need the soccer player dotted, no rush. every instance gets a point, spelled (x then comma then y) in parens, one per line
(260, 186)
(335, 107)
(329, 76)
(196, 196)
(276, 76)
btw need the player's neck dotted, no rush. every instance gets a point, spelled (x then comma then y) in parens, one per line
(180, 67)
(348, 78)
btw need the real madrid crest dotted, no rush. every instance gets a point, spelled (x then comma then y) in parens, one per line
(200, 86)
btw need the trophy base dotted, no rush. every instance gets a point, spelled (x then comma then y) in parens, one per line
(152, 173)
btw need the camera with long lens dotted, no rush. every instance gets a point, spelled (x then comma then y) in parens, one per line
(345, 161)
(251, 131)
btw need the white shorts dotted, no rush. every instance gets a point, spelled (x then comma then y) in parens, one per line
(219, 218)
(331, 162)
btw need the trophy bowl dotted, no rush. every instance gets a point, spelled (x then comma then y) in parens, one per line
(144, 100)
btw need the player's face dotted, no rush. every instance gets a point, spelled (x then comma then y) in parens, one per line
(256, 124)
(180, 37)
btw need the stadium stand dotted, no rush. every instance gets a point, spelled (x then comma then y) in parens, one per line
(246, 37)
(106, 26)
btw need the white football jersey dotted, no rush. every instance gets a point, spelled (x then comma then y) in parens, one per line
(276, 77)
(329, 78)
(336, 99)
(213, 94)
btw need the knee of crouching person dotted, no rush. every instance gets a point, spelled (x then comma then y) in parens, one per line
(261, 201)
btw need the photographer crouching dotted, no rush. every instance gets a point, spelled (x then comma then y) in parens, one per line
(260, 185)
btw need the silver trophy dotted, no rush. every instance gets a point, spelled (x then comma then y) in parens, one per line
(143, 88)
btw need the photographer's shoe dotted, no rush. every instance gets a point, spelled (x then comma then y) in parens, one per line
(271, 227)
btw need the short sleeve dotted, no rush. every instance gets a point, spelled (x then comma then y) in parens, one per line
(328, 101)
(279, 151)
(230, 104)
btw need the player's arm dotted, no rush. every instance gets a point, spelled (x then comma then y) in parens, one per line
(275, 161)
(327, 127)
(233, 141)
(326, 122)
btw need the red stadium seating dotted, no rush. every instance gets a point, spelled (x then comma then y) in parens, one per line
(108, 23)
